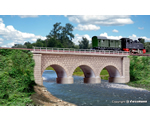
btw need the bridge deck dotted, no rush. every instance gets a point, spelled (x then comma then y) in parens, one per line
(78, 52)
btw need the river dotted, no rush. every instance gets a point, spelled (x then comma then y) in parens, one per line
(103, 94)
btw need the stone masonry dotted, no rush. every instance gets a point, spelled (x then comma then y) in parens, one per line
(92, 65)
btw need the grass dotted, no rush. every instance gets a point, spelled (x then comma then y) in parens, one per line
(145, 84)
(49, 68)
(104, 74)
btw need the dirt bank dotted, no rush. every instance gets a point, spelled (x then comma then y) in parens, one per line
(42, 97)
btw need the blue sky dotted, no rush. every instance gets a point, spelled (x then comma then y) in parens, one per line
(21, 28)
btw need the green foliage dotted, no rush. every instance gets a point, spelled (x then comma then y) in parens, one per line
(60, 36)
(147, 46)
(16, 77)
(49, 68)
(19, 46)
(28, 44)
(104, 74)
(84, 43)
(139, 68)
(142, 40)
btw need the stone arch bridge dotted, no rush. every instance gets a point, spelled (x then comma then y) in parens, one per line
(64, 63)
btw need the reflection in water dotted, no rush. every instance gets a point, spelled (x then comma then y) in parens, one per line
(95, 94)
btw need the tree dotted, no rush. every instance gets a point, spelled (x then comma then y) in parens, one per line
(84, 44)
(19, 46)
(55, 32)
(66, 35)
(61, 36)
(28, 44)
(39, 43)
(147, 46)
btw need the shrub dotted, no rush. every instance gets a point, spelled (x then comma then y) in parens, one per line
(16, 76)
(139, 68)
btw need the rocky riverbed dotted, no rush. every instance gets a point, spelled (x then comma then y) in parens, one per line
(42, 97)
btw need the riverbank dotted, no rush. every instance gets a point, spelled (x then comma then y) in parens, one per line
(140, 84)
(42, 97)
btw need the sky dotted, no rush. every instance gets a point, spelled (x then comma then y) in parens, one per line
(18, 29)
(30, 20)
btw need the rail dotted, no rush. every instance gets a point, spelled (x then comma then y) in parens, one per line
(71, 50)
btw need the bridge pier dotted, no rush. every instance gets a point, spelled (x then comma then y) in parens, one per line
(92, 80)
(117, 79)
(66, 80)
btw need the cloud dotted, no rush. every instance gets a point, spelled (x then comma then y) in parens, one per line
(9, 33)
(105, 20)
(26, 16)
(110, 37)
(115, 30)
(141, 28)
(133, 37)
(1, 39)
(79, 38)
(1, 20)
(1, 42)
(87, 27)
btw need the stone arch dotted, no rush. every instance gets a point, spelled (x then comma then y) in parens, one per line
(55, 65)
(89, 73)
(114, 72)
(61, 71)
(82, 64)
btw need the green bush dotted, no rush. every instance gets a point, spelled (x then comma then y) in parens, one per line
(16, 76)
(139, 68)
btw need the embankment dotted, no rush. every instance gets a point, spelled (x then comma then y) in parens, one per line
(17, 86)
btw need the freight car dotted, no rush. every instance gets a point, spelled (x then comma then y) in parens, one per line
(124, 44)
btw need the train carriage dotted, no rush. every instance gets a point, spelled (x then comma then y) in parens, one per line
(102, 43)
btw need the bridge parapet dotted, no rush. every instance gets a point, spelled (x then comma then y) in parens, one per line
(47, 50)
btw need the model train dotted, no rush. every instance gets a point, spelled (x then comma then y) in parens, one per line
(124, 44)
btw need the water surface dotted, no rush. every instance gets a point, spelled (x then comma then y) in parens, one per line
(104, 94)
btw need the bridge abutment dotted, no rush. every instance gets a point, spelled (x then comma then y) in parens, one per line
(37, 69)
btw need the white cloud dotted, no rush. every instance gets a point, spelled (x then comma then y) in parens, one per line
(3, 46)
(26, 16)
(1, 42)
(87, 27)
(133, 37)
(141, 28)
(13, 35)
(1, 20)
(1, 39)
(110, 37)
(79, 38)
(10, 44)
(106, 20)
(115, 30)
